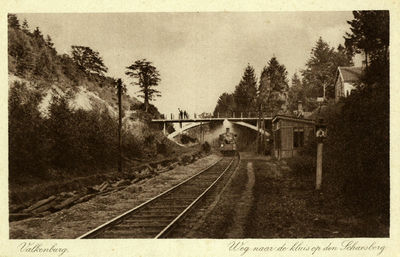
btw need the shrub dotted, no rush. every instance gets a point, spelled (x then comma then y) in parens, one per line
(164, 146)
(186, 139)
(25, 127)
(206, 147)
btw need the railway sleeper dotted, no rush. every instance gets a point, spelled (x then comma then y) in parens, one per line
(160, 213)
(150, 216)
(193, 194)
(130, 234)
(163, 222)
(170, 206)
(175, 202)
(140, 227)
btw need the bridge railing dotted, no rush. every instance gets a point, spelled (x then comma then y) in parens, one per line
(217, 115)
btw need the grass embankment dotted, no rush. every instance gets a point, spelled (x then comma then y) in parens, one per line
(288, 206)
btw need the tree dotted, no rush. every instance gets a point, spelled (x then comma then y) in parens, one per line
(21, 52)
(148, 77)
(321, 68)
(370, 34)
(358, 147)
(13, 21)
(273, 86)
(296, 93)
(225, 105)
(25, 127)
(25, 27)
(246, 92)
(49, 41)
(45, 64)
(38, 34)
(88, 60)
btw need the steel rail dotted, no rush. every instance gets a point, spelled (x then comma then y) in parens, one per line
(119, 218)
(184, 212)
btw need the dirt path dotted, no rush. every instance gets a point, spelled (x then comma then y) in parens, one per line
(243, 207)
(229, 213)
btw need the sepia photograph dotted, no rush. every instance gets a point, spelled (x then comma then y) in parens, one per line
(248, 132)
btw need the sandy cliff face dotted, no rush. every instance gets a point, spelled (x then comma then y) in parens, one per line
(82, 97)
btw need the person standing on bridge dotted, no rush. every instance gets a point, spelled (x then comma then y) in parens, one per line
(180, 114)
(185, 114)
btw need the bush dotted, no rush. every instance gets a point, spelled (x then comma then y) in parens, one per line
(206, 147)
(186, 139)
(25, 127)
(358, 148)
(164, 147)
(303, 164)
(67, 141)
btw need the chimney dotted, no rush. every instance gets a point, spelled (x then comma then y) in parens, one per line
(300, 107)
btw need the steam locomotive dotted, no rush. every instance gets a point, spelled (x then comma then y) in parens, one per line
(227, 143)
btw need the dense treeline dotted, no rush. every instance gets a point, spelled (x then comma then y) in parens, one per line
(356, 151)
(66, 140)
(360, 143)
(32, 56)
(250, 96)
(273, 95)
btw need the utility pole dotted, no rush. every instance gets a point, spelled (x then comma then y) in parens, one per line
(321, 131)
(119, 87)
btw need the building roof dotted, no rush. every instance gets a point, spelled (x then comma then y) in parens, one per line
(284, 117)
(350, 74)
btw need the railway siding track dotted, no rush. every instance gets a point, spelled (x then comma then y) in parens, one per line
(158, 216)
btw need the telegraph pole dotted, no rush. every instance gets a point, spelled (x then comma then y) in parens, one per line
(119, 86)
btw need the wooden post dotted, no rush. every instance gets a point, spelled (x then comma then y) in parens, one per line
(319, 164)
(119, 86)
(164, 129)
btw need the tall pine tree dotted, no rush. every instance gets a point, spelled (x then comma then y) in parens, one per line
(226, 105)
(246, 92)
(273, 87)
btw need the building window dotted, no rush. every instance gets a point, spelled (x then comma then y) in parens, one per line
(298, 137)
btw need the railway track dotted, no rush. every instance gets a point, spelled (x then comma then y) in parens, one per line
(157, 217)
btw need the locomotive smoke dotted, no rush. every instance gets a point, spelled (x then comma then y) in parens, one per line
(214, 134)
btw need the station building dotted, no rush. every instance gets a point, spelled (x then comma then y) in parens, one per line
(290, 135)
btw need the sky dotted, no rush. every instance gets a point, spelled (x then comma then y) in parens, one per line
(199, 55)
